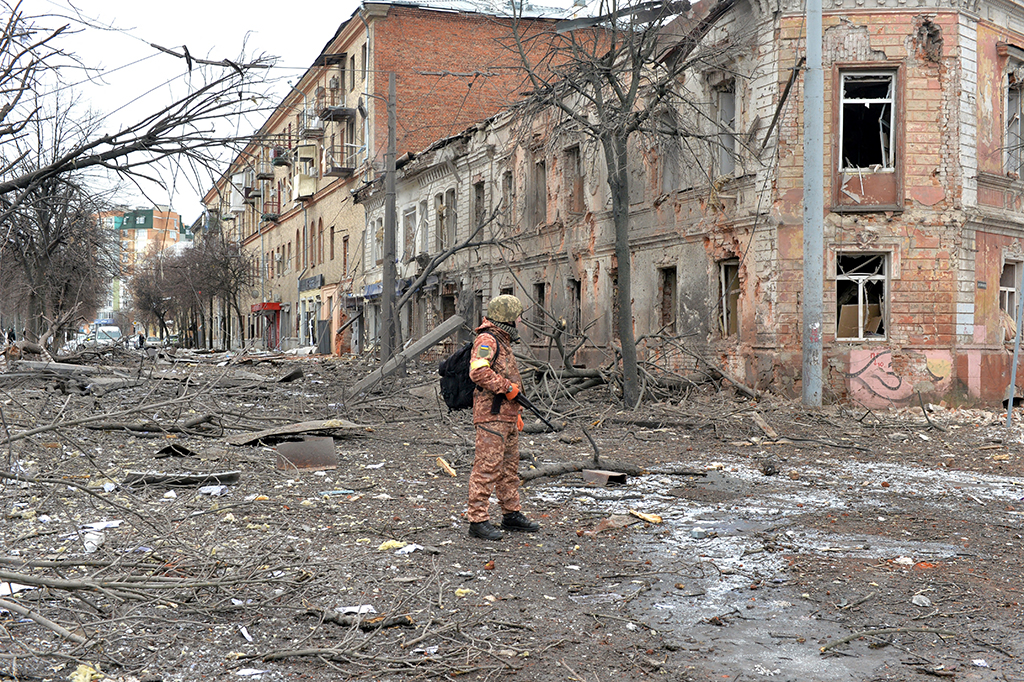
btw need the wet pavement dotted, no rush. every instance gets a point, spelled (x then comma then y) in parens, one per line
(721, 579)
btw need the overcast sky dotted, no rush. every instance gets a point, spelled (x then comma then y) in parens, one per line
(214, 29)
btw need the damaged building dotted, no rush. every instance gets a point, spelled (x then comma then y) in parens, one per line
(923, 220)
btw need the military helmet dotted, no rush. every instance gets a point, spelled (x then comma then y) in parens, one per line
(505, 308)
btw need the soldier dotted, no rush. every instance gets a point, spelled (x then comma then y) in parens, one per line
(498, 422)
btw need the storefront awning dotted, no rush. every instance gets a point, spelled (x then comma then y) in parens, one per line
(268, 305)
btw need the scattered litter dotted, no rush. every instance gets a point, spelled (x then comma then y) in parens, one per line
(698, 533)
(251, 672)
(374, 466)
(603, 598)
(980, 662)
(214, 490)
(333, 493)
(464, 592)
(391, 544)
(446, 466)
(92, 541)
(170, 495)
(903, 561)
(101, 525)
(85, 673)
(649, 518)
(383, 496)
(245, 633)
(174, 450)
(7, 589)
(601, 477)
(409, 549)
(133, 478)
(921, 600)
(312, 453)
(355, 610)
(427, 651)
(611, 523)
(109, 487)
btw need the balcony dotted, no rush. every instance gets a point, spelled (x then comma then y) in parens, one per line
(310, 126)
(340, 161)
(252, 194)
(264, 171)
(303, 187)
(271, 208)
(281, 156)
(330, 106)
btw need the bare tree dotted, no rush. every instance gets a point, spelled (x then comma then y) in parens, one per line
(610, 79)
(46, 148)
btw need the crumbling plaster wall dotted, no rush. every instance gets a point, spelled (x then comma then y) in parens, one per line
(923, 240)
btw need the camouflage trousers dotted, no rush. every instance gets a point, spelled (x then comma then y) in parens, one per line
(495, 468)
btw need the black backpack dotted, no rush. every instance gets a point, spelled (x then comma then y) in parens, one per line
(456, 386)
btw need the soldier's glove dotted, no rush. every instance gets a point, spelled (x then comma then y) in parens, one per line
(519, 422)
(512, 392)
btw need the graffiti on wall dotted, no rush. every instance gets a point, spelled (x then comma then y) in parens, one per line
(874, 383)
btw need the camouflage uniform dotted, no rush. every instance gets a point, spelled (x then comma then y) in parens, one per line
(496, 465)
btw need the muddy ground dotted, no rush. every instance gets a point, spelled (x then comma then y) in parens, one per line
(838, 544)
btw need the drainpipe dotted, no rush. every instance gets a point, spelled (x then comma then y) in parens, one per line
(814, 208)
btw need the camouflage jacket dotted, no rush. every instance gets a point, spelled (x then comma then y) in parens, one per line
(492, 382)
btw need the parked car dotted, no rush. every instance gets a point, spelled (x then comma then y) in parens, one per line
(103, 336)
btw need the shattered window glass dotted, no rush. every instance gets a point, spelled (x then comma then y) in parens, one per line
(861, 298)
(1008, 281)
(867, 121)
(1013, 123)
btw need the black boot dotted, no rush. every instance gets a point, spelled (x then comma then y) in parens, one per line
(484, 529)
(516, 521)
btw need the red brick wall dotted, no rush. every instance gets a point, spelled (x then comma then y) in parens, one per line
(410, 41)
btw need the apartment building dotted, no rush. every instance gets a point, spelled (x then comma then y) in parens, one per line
(288, 197)
(923, 223)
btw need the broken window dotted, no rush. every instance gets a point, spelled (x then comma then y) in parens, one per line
(861, 298)
(450, 218)
(422, 238)
(667, 300)
(479, 205)
(539, 296)
(729, 290)
(508, 197)
(575, 322)
(439, 222)
(447, 306)
(573, 180)
(1013, 122)
(725, 105)
(867, 121)
(409, 234)
(540, 193)
(1008, 282)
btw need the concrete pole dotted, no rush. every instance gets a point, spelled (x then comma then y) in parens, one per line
(389, 275)
(814, 207)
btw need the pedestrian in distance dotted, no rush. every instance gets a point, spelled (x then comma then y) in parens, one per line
(498, 421)
(142, 340)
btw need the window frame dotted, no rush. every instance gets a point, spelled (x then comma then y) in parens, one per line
(1014, 128)
(873, 189)
(862, 303)
(728, 291)
(1009, 293)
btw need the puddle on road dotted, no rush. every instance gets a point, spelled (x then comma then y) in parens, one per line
(747, 508)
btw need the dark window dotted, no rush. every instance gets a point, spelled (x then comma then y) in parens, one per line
(344, 255)
(867, 112)
(539, 302)
(729, 290)
(861, 298)
(575, 321)
(479, 207)
(540, 193)
(450, 218)
(573, 180)
(667, 299)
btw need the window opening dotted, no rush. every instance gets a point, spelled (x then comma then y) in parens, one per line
(540, 193)
(507, 290)
(1008, 281)
(726, 96)
(1014, 103)
(667, 299)
(478, 204)
(447, 306)
(573, 180)
(866, 126)
(539, 302)
(861, 295)
(409, 233)
(439, 221)
(575, 321)
(507, 196)
(451, 218)
(729, 287)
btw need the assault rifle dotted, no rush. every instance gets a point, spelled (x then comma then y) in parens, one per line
(525, 402)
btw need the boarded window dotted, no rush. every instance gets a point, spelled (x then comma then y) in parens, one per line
(667, 300)
(409, 234)
(861, 297)
(729, 290)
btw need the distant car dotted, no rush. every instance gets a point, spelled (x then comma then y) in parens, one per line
(103, 337)
(154, 342)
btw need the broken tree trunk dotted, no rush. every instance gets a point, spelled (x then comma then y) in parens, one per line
(438, 334)
(571, 467)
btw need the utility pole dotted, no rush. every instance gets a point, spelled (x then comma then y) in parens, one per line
(814, 207)
(389, 275)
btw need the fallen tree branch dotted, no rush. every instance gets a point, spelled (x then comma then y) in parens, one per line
(884, 631)
(571, 467)
(45, 622)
